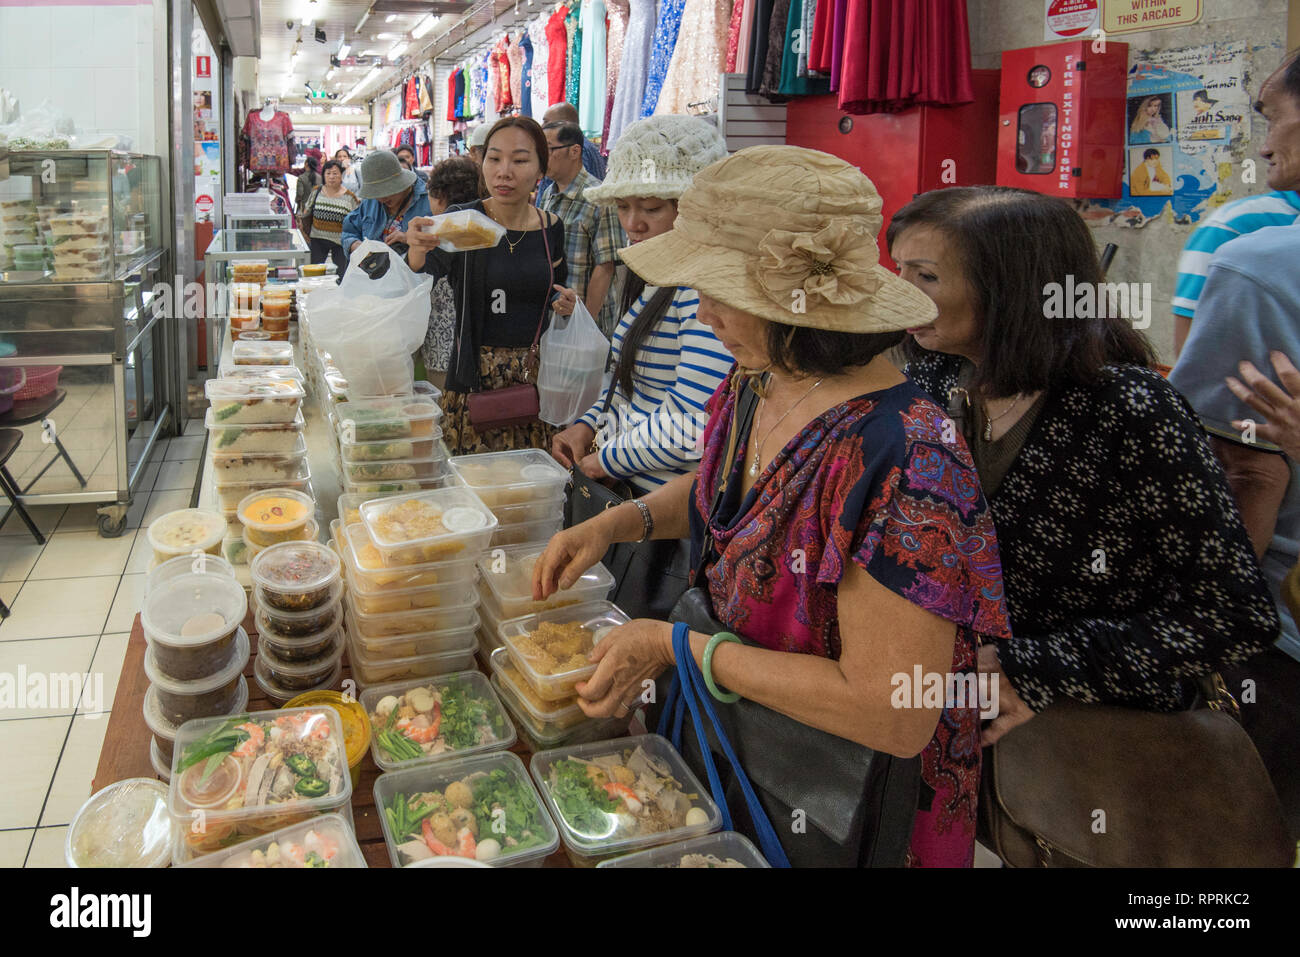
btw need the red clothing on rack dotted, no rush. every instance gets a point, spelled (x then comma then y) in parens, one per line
(451, 95)
(819, 49)
(902, 53)
(503, 58)
(557, 46)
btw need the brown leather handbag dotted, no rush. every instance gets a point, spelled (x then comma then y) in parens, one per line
(1084, 785)
(514, 405)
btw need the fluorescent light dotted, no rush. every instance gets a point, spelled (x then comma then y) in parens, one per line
(390, 18)
(396, 51)
(374, 72)
(308, 20)
(344, 49)
(387, 36)
(332, 71)
(423, 27)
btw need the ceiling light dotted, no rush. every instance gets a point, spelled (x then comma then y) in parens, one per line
(387, 36)
(374, 72)
(308, 20)
(397, 50)
(390, 18)
(331, 72)
(423, 27)
(344, 49)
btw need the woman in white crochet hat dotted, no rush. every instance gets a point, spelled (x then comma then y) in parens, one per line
(838, 519)
(666, 362)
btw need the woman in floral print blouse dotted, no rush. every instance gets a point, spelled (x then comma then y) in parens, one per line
(1127, 569)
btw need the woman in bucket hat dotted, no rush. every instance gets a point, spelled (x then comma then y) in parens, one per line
(852, 544)
(391, 197)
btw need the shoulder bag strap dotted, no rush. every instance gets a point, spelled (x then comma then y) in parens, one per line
(546, 298)
(741, 420)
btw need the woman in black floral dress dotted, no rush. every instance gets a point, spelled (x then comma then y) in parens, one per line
(1127, 569)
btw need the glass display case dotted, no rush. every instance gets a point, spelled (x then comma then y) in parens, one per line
(83, 316)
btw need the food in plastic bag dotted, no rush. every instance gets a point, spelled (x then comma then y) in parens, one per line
(373, 320)
(572, 369)
(43, 128)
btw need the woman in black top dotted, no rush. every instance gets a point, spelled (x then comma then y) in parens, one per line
(502, 293)
(1127, 569)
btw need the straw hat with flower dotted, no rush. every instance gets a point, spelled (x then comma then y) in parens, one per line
(787, 234)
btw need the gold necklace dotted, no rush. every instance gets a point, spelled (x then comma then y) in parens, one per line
(522, 234)
(988, 423)
(758, 450)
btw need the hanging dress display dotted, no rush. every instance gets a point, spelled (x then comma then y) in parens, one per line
(557, 40)
(515, 54)
(733, 34)
(618, 13)
(632, 71)
(757, 59)
(591, 70)
(770, 86)
(808, 11)
(573, 34)
(699, 56)
(269, 142)
(661, 53)
(540, 71)
(791, 83)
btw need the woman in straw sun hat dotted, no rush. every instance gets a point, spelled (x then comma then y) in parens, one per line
(851, 543)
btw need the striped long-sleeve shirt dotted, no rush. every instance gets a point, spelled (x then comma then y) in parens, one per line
(652, 436)
(1229, 221)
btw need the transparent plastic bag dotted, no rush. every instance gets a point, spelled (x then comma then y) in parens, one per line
(44, 128)
(373, 320)
(572, 368)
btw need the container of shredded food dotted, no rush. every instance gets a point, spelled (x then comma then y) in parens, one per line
(436, 526)
(433, 719)
(124, 825)
(615, 797)
(512, 478)
(508, 576)
(464, 230)
(550, 648)
(325, 841)
(724, 849)
(273, 438)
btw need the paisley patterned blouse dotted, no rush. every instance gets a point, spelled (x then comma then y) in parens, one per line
(871, 482)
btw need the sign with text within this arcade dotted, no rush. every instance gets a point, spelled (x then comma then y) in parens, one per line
(1134, 16)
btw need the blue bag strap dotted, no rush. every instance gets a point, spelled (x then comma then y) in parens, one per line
(696, 696)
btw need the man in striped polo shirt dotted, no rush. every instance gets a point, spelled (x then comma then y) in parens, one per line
(1281, 207)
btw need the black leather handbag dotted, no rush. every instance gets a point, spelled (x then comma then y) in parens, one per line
(833, 802)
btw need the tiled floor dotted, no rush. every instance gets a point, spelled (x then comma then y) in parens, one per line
(73, 603)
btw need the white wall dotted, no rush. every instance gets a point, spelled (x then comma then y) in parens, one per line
(93, 61)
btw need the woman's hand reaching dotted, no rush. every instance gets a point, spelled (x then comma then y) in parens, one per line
(625, 660)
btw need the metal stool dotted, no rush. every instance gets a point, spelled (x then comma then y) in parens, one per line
(9, 441)
(27, 411)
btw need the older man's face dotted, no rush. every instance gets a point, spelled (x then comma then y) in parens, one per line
(1281, 148)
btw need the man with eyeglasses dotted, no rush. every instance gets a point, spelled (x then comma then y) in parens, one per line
(592, 234)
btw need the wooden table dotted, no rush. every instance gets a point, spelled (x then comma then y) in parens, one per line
(127, 739)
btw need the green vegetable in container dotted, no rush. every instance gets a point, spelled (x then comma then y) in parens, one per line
(311, 787)
(301, 765)
(583, 804)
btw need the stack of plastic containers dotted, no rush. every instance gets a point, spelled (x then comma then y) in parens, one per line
(197, 649)
(17, 228)
(255, 437)
(391, 444)
(255, 774)
(277, 309)
(543, 659)
(298, 610)
(185, 532)
(410, 566)
(524, 489)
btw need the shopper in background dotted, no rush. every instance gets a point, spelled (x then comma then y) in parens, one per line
(322, 218)
(502, 292)
(308, 180)
(898, 568)
(592, 161)
(455, 181)
(667, 363)
(406, 156)
(390, 199)
(351, 172)
(477, 138)
(592, 233)
(1277, 102)
(1128, 571)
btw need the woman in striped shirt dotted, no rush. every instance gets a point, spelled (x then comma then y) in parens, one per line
(667, 364)
(328, 206)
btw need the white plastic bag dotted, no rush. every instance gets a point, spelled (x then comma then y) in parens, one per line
(572, 367)
(43, 128)
(373, 320)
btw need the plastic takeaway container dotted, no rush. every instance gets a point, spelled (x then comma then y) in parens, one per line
(545, 671)
(181, 701)
(164, 731)
(253, 401)
(369, 670)
(274, 438)
(325, 841)
(296, 576)
(186, 565)
(184, 532)
(124, 825)
(244, 353)
(726, 848)
(190, 622)
(230, 494)
(283, 680)
(275, 515)
(511, 478)
(590, 730)
(509, 579)
(440, 525)
(372, 420)
(465, 230)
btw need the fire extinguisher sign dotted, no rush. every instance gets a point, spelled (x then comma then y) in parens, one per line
(203, 66)
(1070, 19)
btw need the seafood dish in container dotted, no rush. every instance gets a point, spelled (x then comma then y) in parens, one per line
(614, 797)
(403, 417)
(246, 401)
(512, 478)
(550, 648)
(184, 532)
(509, 579)
(325, 841)
(296, 576)
(356, 724)
(724, 849)
(191, 623)
(181, 701)
(262, 353)
(252, 774)
(436, 526)
(164, 730)
(482, 807)
(431, 719)
(280, 438)
(124, 825)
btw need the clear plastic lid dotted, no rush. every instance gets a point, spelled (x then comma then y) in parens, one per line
(542, 737)
(464, 230)
(276, 510)
(324, 841)
(404, 639)
(616, 796)
(528, 534)
(250, 265)
(419, 621)
(279, 437)
(450, 716)
(428, 526)
(508, 574)
(263, 762)
(163, 727)
(395, 470)
(388, 450)
(538, 510)
(260, 373)
(370, 669)
(524, 833)
(723, 849)
(288, 624)
(193, 609)
(265, 676)
(124, 825)
(231, 494)
(199, 686)
(262, 353)
(250, 390)
(288, 672)
(162, 766)
(186, 531)
(229, 474)
(371, 489)
(203, 564)
(556, 714)
(550, 648)
(511, 478)
(370, 420)
(303, 647)
(366, 564)
(349, 506)
(296, 568)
